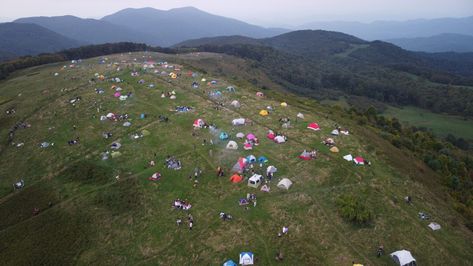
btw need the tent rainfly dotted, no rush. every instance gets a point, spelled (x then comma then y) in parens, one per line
(348, 157)
(232, 145)
(335, 132)
(359, 160)
(246, 258)
(403, 258)
(263, 113)
(435, 226)
(236, 178)
(313, 126)
(238, 122)
(285, 183)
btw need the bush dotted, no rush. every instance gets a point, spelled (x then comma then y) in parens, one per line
(354, 210)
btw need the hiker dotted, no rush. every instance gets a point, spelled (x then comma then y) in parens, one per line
(178, 221)
(36, 211)
(279, 256)
(285, 230)
(191, 223)
(219, 171)
(152, 163)
(380, 251)
(408, 199)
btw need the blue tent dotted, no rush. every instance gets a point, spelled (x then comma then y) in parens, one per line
(251, 158)
(223, 136)
(229, 263)
(263, 159)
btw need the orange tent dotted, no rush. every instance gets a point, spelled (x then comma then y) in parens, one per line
(236, 178)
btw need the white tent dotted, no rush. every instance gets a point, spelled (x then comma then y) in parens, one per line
(271, 169)
(335, 132)
(285, 183)
(235, 104)
(238, 121)
(246, 258)
(348, 157)
(279, 139)
(255, 180)
(232, 145)
(240, 135)
(435, 226)
(403, 258)
(300, 115)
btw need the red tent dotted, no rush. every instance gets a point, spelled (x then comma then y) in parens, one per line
(359, 160)
(236, 178)
(314, 126)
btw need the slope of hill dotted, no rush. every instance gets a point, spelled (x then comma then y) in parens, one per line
(89, 31)
(383, 30)
(18, 39)
(180, 24)
(83, 205)
(446, 42)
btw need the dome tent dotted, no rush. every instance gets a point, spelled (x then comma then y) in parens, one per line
(223, 136)
(232, 145)
(235, 104)
(240, 135)
(403, 258)
(285, 183)
(246, 258)
(313, 126)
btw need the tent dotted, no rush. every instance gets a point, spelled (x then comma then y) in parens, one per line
(271, 169)
(238, 122)
(259, 94)
(250, 136)
(251, 158)
(263, 113)
(246, 258)
(235, 104)
(173, 97)
(334, 149)
(240, 165)
(240, 135)
(284, 104)
(305, 155)
(359, 160)
(335, 132)
(223, 136)
(232, 145)
(435, 226)
(229, 263)
(126, 124)
(199, 123)
(348, 157)
(236, 178)
(263, 159)
(145, 132)
(116, 154)
(231, 89)
(271, 135)
(300, 115)
(247, 146)
(255, 180)
(279, 139)
(313, 126)
(204, 80)
(285, 183)
(403, 258)
(117, 94)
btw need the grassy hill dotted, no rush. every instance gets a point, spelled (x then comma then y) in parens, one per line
(88, 216)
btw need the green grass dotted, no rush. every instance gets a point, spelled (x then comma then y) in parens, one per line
(96, 219)
(440, 124)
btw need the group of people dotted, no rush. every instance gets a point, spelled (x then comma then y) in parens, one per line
(173, 163)
(190, 221)
(181, 205)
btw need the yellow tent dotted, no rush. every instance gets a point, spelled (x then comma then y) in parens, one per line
(263, 113)
(334, 149)
(173, 75)
(284, 104)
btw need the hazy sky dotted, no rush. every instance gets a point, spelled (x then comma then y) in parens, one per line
(262, 12)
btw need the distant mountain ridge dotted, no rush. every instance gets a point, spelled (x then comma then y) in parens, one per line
(180, 24)
(19, 39)
(447, 42)
(384, 30)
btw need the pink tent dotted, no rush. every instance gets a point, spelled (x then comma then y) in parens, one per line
(247, 146)
(313, 126)
(359, 160)
(250, 136)
(117, 94)
(199, 123)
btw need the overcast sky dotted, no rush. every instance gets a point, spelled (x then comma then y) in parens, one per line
(262, 12)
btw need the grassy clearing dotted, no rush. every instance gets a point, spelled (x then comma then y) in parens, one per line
(96, 219)
(440, 124)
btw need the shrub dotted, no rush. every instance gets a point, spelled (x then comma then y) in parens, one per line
(354, 210)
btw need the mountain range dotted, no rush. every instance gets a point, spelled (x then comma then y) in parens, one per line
(166, 28)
